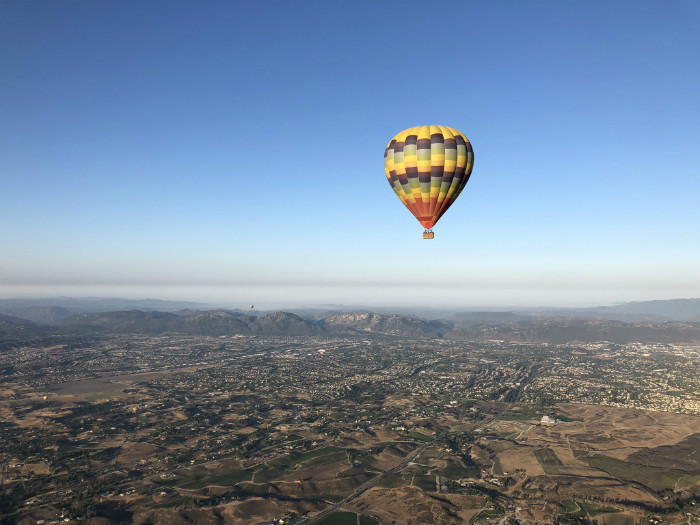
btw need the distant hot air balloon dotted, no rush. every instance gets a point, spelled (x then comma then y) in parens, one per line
(251, 306)
(428, 167)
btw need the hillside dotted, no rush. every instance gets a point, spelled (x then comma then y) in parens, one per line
(210, 323)
(389, 324)
(569, 330)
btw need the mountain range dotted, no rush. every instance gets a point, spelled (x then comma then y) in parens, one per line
(52, 310)
(466, 326)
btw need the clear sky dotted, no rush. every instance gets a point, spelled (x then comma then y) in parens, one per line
(232, 152)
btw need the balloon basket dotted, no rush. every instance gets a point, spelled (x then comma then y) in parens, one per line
(428, 234)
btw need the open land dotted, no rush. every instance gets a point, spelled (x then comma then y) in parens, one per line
(359, 429)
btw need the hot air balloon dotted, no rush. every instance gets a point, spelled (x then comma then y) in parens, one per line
(428, 167)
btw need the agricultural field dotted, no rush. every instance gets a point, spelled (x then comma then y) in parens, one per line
(601, 462)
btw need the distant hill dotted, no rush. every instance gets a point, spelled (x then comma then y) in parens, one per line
(284, 323)
(225, 322)
(211, 323)
(385, 324)
(471, 328)
(49, 310)
(649, 321)
(39, 314)
(671, 310)
(580, 330)
(684, 310)
(16, 328)
(471, 318)
(687, 310)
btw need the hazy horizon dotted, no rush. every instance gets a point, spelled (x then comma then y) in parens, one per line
(273, 301)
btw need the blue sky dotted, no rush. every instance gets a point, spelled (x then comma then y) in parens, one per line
(232, 152)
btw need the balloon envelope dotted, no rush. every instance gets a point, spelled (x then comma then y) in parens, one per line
(428, 167)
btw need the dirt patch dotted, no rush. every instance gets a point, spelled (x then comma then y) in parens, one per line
(557, 488)
(160, 517)
(325, 472)
(342, 486)
(409, 506)
(392, 455)
(376, 436)
(610, 428)
(133, 452)
(402, 401)
(86, 386)
(520, 458)
(37, 468)
(256, 510)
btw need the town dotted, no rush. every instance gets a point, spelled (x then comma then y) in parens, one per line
(252, 429)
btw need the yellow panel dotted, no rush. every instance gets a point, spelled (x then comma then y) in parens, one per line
(401, 137)
(423, 132)
(400, 167)
(389, 165)
(447, 133)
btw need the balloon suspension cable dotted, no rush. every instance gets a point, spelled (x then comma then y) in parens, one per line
(428, 234)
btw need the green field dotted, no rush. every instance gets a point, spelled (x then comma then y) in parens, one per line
(225, 479)
(340, 518)
(394, 481)
(267, 474)
(347, 518)
(655, 478)
(455, 470)
(497, 468)
(583, 508)
(200, 477)
(594, 510)
(256, 489)
(326, 459)
(546, 456)
(520, 415)
(425, 482)
(492, 514)
(296, 458)
(569, 507)
(567, 419)
(683, 456)
(418, 436)
(368, 461)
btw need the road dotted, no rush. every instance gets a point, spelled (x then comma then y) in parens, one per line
(371, 483)
(364, 487)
